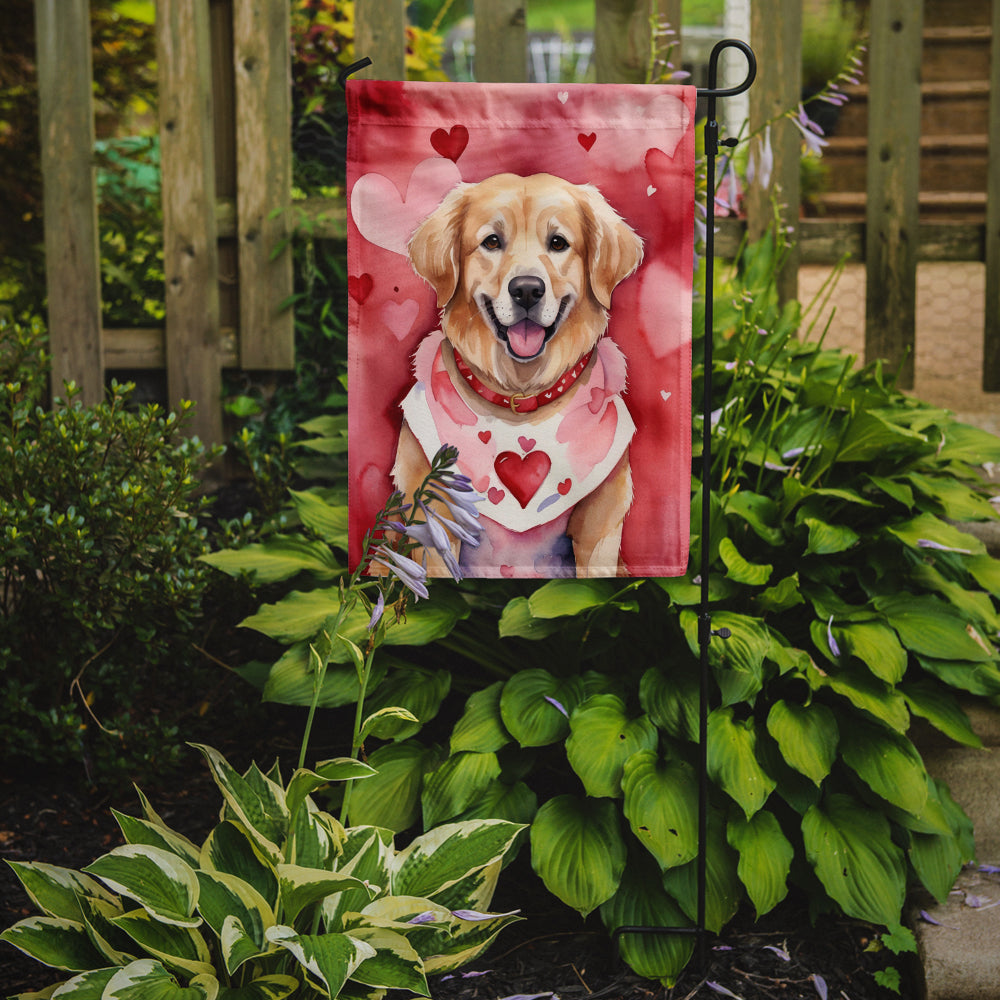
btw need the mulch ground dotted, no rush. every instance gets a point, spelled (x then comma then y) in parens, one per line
(550, 953)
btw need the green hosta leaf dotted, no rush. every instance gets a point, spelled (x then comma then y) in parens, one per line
(231, 850)
(723, 889)
(671, 700)
(141, 831)
(578, 851)
(561, 598)
(516, 803)
(391, 798)
(888, 763)
(931, 628)
(180, 948)
(147, 979)
(481, 728)
(986, 572)
(738, 661)
(292, 680)
(850, 847)
(732, 760)
(870, 435)
(807, 736)
(160, 882)
(661, 799)
(517, 620)
(456, 784)
(327, 520)
(226, 898)
(876, 646)
(941, 709)
(751, 574)
(535, 706)
(395, 964)
(330, 959)
(54, 941)
(279, 558)
(260, 806)
(865, 692)
(415, 689)
(301, 887)
(275, 987)
(56, 891)
(828, 539)
(641, 901)
(304, 782)
(976, 678)
(937, 859)
(386, 723)
(783, 595)
(965, 443)
(438, 859)
(765, 858)
(758, 511)
(602, 738)
(893, 488)
(957, 501)
(683, 592)
(975, 605)
(928, 528)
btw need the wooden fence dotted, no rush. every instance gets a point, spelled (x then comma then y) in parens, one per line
(226, 161)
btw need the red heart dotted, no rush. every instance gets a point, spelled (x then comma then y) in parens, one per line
(495, 495)
(360, 287)
(451, 144)
(484, 436)
(522, 476)
(587, 140)
(564, 487)
(526, 443)
(506, 570)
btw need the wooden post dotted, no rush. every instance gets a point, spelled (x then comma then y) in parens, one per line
(622, 40)
(380, 34)
(893, 183)
(72, 255)
(776, 35)
(262, 60)
(991, 333)
(501, 41)
(190, 254)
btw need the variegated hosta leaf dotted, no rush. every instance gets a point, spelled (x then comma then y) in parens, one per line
(765, 858)
(315, 838)
(535, 706)
(456, 784)
(807, 736)
(850, 847)
(256, 801)
(329, 959)
(732, 760)
(304, 782)
(230, 849)
(888, 763)
(56, 891)
(275, 987)
(116, 947)
(177, 947)
(367, 853)
(391, 799)
(441, 857)
(395, 964)
(417, 690)
(301, 887)
(141, 831)
(602, 737)
(87, 986)
(481, 727)
(475, 891)
(147, 979)
(578, 851)
(55, 941)
(466, 941)
(225, 897)
(642, 902)
(158, 880)
(661, 805)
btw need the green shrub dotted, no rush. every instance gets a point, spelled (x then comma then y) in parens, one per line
(101, 587)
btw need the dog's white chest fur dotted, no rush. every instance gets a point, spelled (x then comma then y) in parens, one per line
(534, 471)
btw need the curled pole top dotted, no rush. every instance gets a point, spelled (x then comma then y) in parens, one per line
(713, 91)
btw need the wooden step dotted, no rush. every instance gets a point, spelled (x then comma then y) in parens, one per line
(956, 53)
(945, 12)
(958, 206)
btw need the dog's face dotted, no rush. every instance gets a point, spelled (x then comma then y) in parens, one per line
(524, 268)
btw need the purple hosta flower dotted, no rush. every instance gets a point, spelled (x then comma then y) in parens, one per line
(989, 869)
(475, 915)
(820, 983)
(834, 648)
(780, 952)
(812, 134)
(761, 163)
(377, 611)
(719, 988)
(410, 573)
(927, 543)
(559, 705)
(927, 918)
(531, 996)
(427, 917)
(461, 505)
(465, 975)
(729, 200)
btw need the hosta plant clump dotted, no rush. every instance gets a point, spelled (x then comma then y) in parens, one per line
(279, 900)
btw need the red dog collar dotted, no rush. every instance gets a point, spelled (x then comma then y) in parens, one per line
(518, 402)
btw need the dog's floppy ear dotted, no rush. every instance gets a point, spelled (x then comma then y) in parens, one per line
(435, 245)
(615, 250)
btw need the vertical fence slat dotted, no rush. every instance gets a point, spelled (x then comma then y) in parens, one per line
(380, 34)
(261, 56)
(991, 332)
(501, 41)
(72, 257)
(893, 183)
(190, 253)
(621, 40)
(776, 35)
(669, 12)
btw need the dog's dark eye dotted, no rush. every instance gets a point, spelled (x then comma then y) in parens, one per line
(558, 243)
(492, 242)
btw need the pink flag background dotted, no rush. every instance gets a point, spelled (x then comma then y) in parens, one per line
(412, 143)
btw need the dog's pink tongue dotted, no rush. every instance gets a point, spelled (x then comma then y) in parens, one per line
(526, 338)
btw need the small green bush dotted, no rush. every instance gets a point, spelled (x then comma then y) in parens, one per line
(99, 578)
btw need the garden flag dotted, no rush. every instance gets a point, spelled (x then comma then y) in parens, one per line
(520, 268)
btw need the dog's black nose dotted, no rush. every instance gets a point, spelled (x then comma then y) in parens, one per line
(526, 290)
